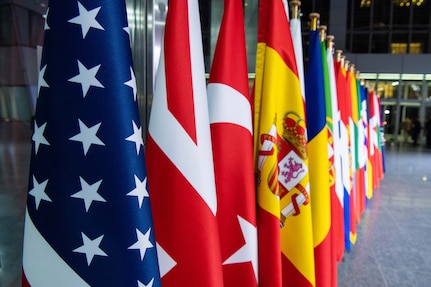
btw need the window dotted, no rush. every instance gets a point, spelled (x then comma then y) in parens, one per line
(380, 42)
(393, 26)
(412, 90)
(388, 89)
(7, 35)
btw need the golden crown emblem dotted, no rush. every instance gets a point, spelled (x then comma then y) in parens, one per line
(295, 133)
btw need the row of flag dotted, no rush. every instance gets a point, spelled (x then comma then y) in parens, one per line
(261, 188)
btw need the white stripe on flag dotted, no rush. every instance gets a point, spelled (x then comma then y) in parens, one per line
(227, 105)
(42, 265)
(295, 28)
(171, 136)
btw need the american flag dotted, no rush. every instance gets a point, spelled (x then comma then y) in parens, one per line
(88, 219)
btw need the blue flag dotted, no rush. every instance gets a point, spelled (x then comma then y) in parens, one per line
(320, 193)
(88, 219)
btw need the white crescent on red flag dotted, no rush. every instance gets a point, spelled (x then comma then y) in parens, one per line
(231, 130)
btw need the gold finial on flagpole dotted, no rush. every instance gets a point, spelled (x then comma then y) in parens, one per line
(338, 56)
(352, 68)
(314, 17)
(294, 5)
(322, 29)
(346, 63)
(330, 42)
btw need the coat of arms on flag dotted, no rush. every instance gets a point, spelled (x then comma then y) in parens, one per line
(291, 168)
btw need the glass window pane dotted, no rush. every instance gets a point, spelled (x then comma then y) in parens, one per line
(419, 42)
(409, 116)
(36, 29)
(362, 15)
(389, 117)
(399, 42)
(411, 90)
(421, 13)
(388, 89)
(380, 43)
(401, 18)
(22, 16)
(381, 14)
(250, 16)
(360, 43)
(7, 35)
(429, 92)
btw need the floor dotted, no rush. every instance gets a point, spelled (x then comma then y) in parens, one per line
(392, 248)
(393, 238)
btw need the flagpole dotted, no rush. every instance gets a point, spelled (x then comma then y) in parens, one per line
(295, 9)
(314, 17)
(322, 29)
(352, 69)
(338, 56)
(295, 28)
(330, 42)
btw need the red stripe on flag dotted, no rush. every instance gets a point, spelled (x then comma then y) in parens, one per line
(25, 282)
(322, 257)
(337, 225)
(269, 248)
(235, 197)
(179, 85)
(276, 37)
(291, 274)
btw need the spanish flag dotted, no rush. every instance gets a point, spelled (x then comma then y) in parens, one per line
(281, 158)
(318, 158)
